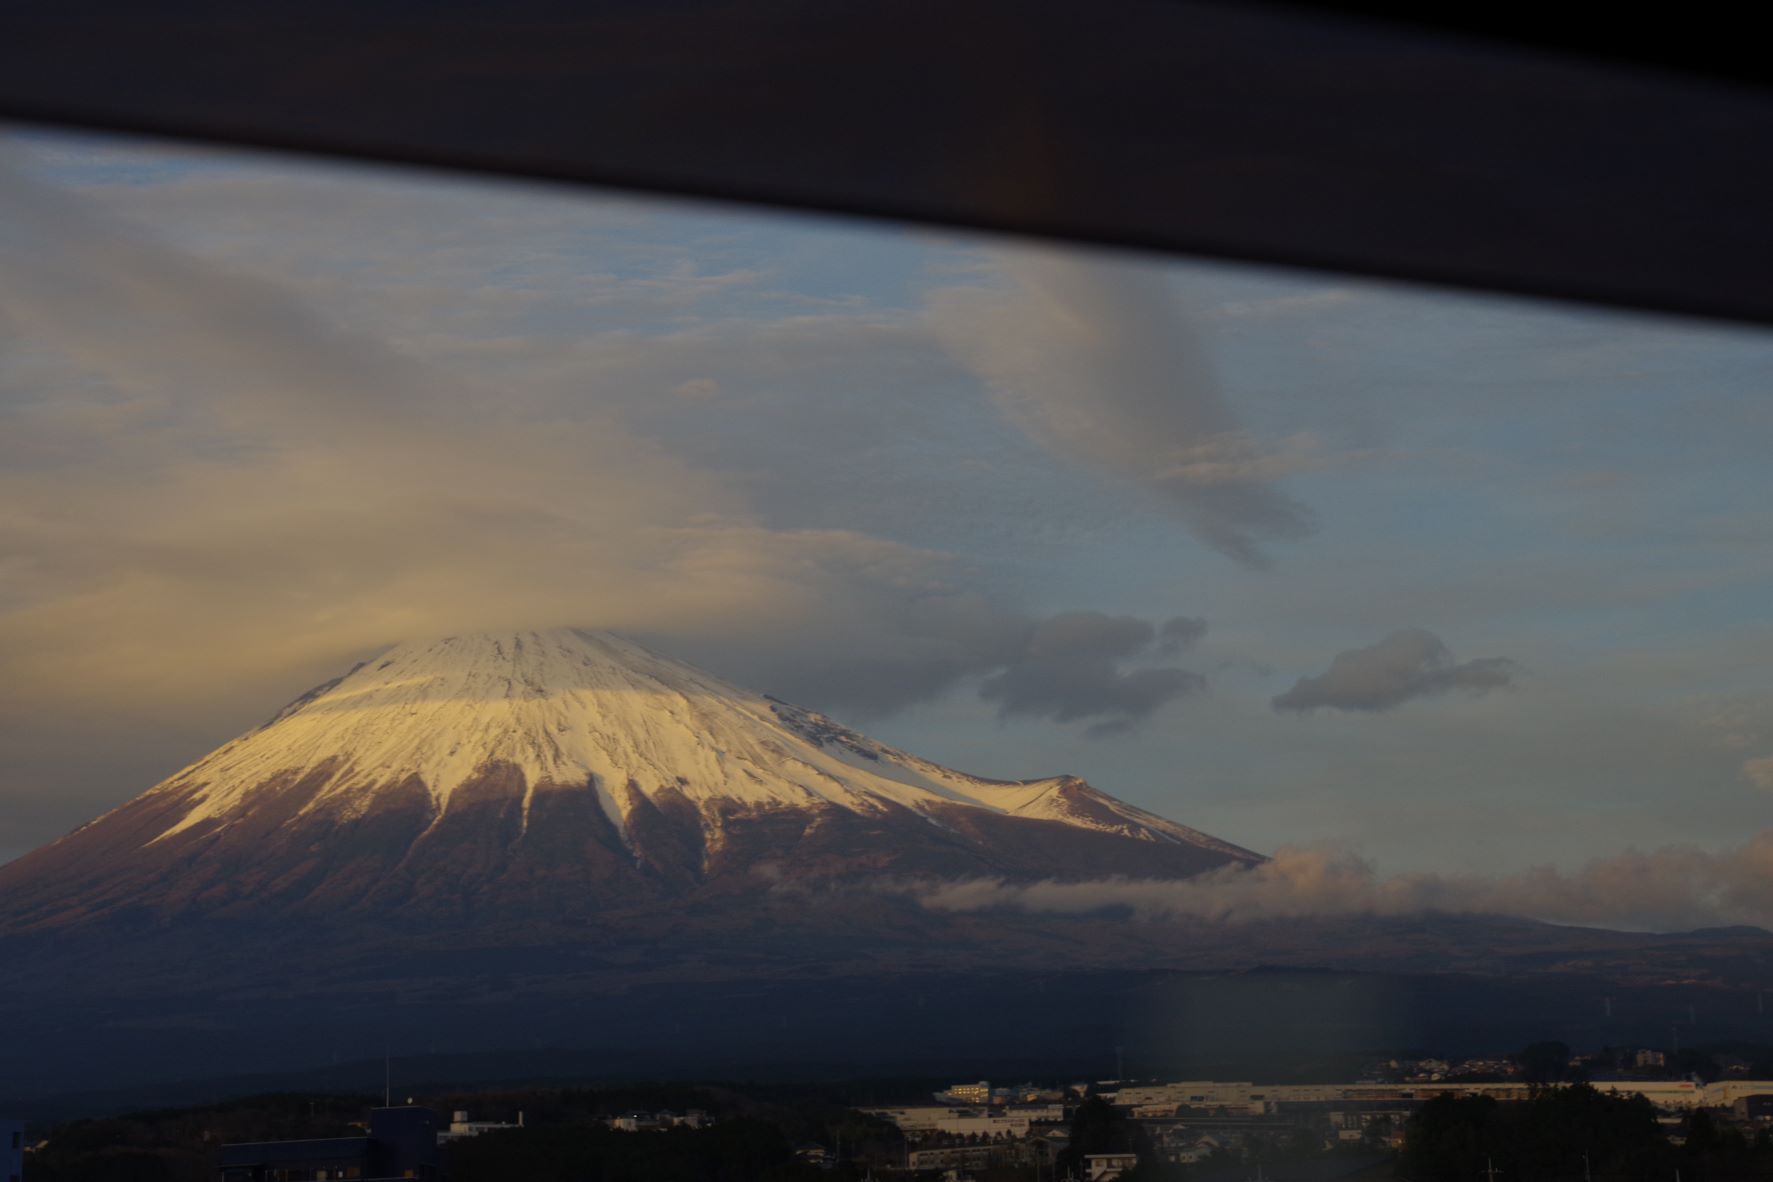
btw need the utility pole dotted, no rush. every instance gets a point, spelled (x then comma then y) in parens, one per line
(1490, 1170)
(1586, 1175)
(1607, 1006)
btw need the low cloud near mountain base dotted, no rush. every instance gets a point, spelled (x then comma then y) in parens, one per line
(1667, 889)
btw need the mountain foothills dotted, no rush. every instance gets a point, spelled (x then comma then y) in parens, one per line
(560, 777)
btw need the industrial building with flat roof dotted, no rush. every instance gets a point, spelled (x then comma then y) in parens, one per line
(1257, 1098)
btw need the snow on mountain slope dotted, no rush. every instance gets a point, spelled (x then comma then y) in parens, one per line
(1066, 799)
(559, 779)
(594, 712)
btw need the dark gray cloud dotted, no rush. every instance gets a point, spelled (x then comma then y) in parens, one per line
(1179, 634)
(1411, 663)
(865, 654)
(1070, 668)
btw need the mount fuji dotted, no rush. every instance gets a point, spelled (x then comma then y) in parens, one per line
(560, 839)
(558, 777)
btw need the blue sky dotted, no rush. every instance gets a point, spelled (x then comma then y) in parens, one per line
(262, 415)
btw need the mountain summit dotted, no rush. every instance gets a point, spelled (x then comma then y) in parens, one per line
(559, 774)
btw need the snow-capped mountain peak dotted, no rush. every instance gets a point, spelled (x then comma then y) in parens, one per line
(543, 773)
(594, 712)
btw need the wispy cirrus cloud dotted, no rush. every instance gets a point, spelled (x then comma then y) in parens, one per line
(213, 487)
(1095, 361)
(1237, 458)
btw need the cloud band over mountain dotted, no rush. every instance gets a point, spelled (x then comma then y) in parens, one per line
(1676, 887)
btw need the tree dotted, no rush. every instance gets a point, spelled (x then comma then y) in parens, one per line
(1448, 1139)
(1544, 1062)
(1456, 1139)
(1098, 1128)
(1302, 1142)
(1697, 1063)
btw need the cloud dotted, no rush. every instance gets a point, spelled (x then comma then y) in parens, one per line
(1759, 772)
(1093, 361)
(1069, 668)
(1667, 889)
(214, 492)
(224, 487)
(1180, 633)
(697, 388)
(1411, 663)
(1735, 724)
(1238, 459)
